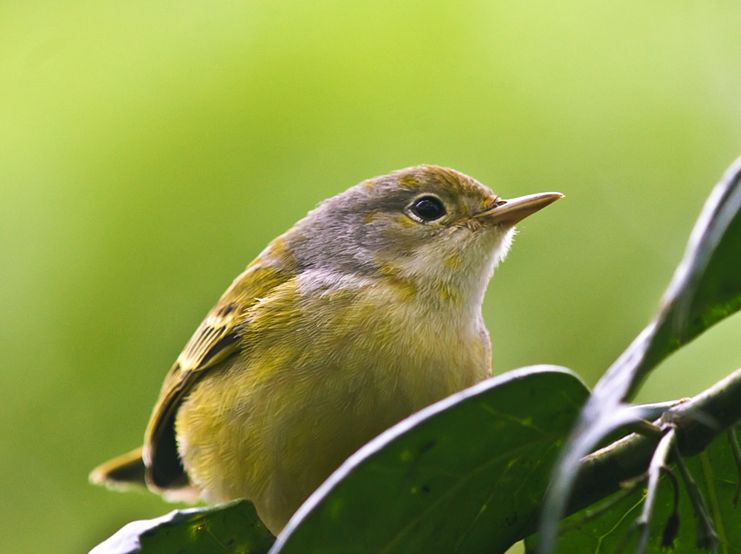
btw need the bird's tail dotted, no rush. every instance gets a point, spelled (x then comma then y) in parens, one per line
(122, 472)
(127, 471)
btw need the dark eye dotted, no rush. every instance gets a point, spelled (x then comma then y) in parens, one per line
(427, 208)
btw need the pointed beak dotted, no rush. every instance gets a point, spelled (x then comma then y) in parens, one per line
(510, 212)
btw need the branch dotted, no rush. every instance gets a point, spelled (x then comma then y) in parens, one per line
(698, 421)
(707, 539)
(655, 469)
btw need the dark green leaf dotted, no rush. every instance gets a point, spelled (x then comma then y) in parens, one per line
(464, 475)
(228, 529)
(716, 473)
(705, 289)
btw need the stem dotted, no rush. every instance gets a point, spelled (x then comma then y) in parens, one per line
(671, 527)
(655, 409)
(645, 428)
(601, 472)
(658, 463)
(707, 538)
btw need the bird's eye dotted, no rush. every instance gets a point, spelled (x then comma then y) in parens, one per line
(427, 208)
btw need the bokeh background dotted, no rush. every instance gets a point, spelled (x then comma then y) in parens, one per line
(148, 150)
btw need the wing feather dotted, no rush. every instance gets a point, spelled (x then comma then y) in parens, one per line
(215, 340)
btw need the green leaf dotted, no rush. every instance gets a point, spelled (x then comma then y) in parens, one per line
(715, 472)
(705, 289)
(229, 528)
(466, 474)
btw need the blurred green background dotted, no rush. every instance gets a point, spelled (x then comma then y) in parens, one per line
(148, 150)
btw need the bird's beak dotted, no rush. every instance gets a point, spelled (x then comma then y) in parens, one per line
(510, 212)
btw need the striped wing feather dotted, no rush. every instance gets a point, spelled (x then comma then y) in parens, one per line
(215, 340)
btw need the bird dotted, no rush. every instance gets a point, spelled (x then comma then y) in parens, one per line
(365, 311)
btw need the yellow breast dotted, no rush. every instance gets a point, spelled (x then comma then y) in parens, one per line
(325, 367)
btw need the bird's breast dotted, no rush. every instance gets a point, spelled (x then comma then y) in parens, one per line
(322, 372)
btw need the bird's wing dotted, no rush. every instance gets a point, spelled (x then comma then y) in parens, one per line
(215, 340)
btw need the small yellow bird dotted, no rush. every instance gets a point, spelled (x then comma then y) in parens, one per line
(364, 312)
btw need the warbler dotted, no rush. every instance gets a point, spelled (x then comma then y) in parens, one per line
(365, 311)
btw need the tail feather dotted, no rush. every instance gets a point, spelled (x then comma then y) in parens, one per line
(122, 472)
(128, 471)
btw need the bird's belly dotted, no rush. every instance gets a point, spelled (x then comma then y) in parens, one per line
(274, 434)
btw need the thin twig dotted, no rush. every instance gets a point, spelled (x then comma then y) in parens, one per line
(672, 523)
(658, 463)
(654, 410)
(644, 428)
(601, 473)
(707, 538)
